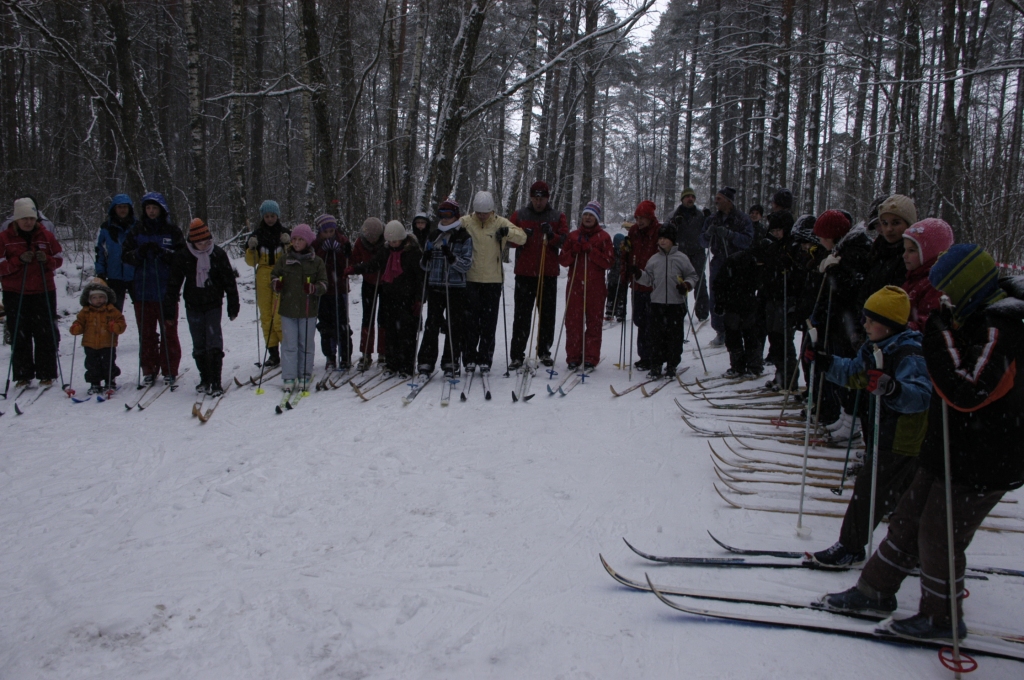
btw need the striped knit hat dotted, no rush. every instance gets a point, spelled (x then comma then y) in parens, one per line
(889, 306)
(594, 208)
(198, 231)
(968, 275)
(326, 221)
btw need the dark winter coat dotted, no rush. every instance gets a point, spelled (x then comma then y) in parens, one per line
(741, 234)
(405, 290)
(363, 252)
(844, 283)
(737, 286)
(975, 369)
(688, 223)
(269, 247)
(220, 282)
(421, 234)
(886, 268)
(110, 242)
(294, 270)
(152, 265)
(14, 242)
(528, 254)
(904, 413)
(335, 254)
(638, 247)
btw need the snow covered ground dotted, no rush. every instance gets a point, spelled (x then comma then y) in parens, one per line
(371, 540)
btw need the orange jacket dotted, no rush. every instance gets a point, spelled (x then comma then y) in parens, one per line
(93, 324)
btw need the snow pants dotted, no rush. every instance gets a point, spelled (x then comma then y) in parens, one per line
(917, 535)
(642, 321)
(399, 323)
(483, 300)
(584, 327)
(615, 305)
(370, 296)
(34, 352)
(100, 364)
(894, 475)
(667, 329)
(207, 342)
(443, 309)
(158, 351)
(780, 330)
(525, 301)
(298, 348)
(717, 320)
(701, 300)
(332, 319)
(743, 341)
(266, 303)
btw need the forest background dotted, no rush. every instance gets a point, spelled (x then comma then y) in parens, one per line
(385, 107)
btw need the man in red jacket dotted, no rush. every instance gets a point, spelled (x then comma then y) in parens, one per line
(29, 254)
(540, 221)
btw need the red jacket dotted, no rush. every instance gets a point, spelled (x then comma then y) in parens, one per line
(588, 250)
(528, 254)
(362, 254)
(643, 243)
(924, 298)
(336, 278)
(13, 243)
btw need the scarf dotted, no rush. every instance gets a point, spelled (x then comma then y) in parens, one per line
(445, 228)
(202, 263)
(394, 267)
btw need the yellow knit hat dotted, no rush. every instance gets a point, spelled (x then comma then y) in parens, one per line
(889, 306)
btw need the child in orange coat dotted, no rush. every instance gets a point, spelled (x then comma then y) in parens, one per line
(588, 254)
(99, 323)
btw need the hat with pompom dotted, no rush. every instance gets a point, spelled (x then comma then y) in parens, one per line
(932, 236)
(305, 232)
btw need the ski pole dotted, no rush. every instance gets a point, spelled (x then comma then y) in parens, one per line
(266, 350)
(71, 377)
(821, 379)
(256, 293)
(874, 459)
(849, 443)
(336, 348)
(110, 362)
(551, 371)
(448, 314)
(953, 609)
(801, 530)
(700, 352)
(17, 324)
(53, 330)
(583, 312)
(419, 320)
(631, 325)
(504, 312)
(141, 323)
(305, 350)
(538, 303)
(785, 325)
(373, 320)
(163, 331)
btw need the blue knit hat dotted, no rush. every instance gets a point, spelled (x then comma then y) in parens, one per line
(594, 208)
(968, 275)
(325, 221)
(269, 206)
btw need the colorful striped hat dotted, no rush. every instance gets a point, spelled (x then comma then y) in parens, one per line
(969, 277)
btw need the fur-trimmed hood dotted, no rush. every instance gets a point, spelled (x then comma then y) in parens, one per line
(96, 284)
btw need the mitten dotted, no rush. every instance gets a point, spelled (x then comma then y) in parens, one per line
(880, 384)
(309, 288)
(253, 243)
(112, 326)
(277, 285)
(40, 256)
(829, 261)
(27, 256)
(501, 233)
(286, 238)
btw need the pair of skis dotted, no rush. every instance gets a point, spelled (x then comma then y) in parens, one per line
(292, 397)
(151, 393)
(570, 381)
(18, 407)
(662, 383)
(197, 408)
(485, 379)
(105, 395)
(263, 375)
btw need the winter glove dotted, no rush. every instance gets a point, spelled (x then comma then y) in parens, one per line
(277, 285)
(40, 256)
(76, 328)
(683, 286)
(941, 319)
(309, 288)
(286, 238)
(585, 246)
(880, 384)
(152, 250)
(253, 243)
(425, 258)
(27, 256)
(233, 312)
(448, 254)
(822, 359)
(723, 232)
(332, 244)
(549, 231)
(111, 326)
(501, 233)
(828, 262)
(350, 271)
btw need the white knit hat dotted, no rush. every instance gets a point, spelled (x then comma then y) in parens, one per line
(483, 202)
(24, 207)
(394, 231)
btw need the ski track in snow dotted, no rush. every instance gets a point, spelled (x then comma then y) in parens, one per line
(366, 540)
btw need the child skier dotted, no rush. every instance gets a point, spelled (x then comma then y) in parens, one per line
(368, 246)
(300, 278)
(972, 349)
(150, 248)
(615, 305)
(922, 244)
(672, 277)
(333, 248)
(588, 254)
(266, 245)
(99, 323)
(902, 385)
(447, 258)
(208, 277)
(29, 254)
(109, 245)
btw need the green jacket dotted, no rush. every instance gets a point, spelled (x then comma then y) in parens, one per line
(294, 270)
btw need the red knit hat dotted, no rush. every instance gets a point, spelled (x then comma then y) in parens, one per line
(932, 236)
(831, 224)
(198, 231)
(647, 209)
(540, 188)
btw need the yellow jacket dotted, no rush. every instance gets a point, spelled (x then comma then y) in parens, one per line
(487, 249)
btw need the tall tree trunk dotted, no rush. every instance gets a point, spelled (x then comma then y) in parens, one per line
(672, 154)
(256, 138)
(317, 80)
(589, 98)
(412, 107)
(236, 146)
(395, 17)
(691, 90)
(947, 161)
(803, 99)
(817, 75)
(519, 179)
(129, 106)
(850, 191)
(909, 140)
(195, 110)
(351, 181)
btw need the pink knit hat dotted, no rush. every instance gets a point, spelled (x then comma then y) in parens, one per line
(305, 232)
(932, 236)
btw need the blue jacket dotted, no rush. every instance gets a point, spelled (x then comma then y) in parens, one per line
(904, 415)
(434, 262)
(741, 233)
(152, 265)
(110, 243)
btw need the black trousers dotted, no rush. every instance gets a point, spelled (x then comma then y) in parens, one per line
(438, 317)
(525, 299)
(894, 475)
(399, 324)
(667, 328)
(100, 364)
(615, 304)
(332, 318)
(483, 301)
(743, 341)
(34, 350)
(121, 289)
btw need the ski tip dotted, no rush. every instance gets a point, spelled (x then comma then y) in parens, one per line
(487, 396)
(278, 410)
(515, 399)
(18, 410)
(528, 397)
(462, 397)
